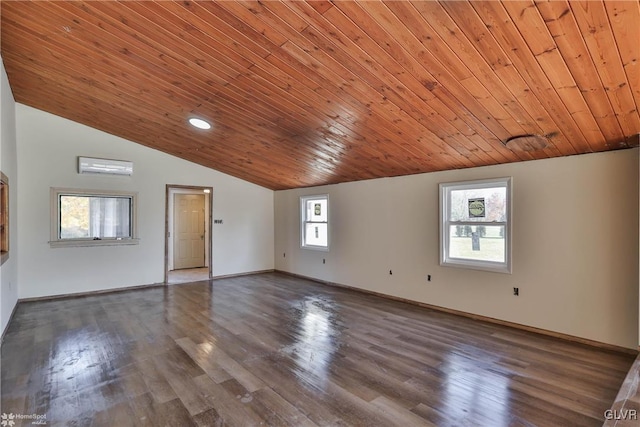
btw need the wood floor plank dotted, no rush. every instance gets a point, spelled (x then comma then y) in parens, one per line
(232, 409)
(276, 350)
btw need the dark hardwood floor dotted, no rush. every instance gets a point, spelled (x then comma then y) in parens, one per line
(275, 350)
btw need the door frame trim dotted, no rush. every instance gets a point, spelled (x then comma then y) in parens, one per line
(168, 189)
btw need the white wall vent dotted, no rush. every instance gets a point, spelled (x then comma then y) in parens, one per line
(104, 166)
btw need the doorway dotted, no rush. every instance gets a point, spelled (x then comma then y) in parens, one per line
(188, 243)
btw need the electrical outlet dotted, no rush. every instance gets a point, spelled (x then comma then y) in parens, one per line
(516, 291)
(324, 261)
(428, 277)
(390, 272)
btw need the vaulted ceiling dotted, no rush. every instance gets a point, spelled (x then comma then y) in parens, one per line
(310, 93)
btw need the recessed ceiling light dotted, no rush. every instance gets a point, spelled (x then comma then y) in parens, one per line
(199, 123)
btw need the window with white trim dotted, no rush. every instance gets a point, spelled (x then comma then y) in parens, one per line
(315, 222)
(92, 218)
(475, 224)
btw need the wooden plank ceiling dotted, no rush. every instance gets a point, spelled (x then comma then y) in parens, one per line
(310, 93)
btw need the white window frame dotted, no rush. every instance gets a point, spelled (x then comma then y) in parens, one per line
(304, 221)
(57, 242)
(445, 223)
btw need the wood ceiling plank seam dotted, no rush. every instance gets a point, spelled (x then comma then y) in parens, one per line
(208, 42)
(624, 18)
(403, 132)
(236, 39)
(295, 155)
(394, 149)
(318, 157)
(365, 119)
(362, 115)
(374, 107)
(170, 144)
(478, 68)
(453, 157)
(447, 87)
(262, 172)
(468, 23)
(176, 137)
(310, 94)
(486, 71)
(273, 13)
(167, 28)
(289, 5)
(265, 35)
(444, 104)
(464, 143)
(270, 4)
(104, 95)
(280, 166)
(301, 56)
(558, 139)
(365, 116)
(531, 26)
(151, 41)
(321, 6)
(566, 34)
(253, 24)
(408, 16)
(127, 132)
(232, 13)
(253, 19)
(271, 97)
(512, 95)
(482, 95)
(91, 90)
(221, 97)
(477, 32)
(594, 24)
(100, 24)
(103, 81)
(256, 17)
(510, 41)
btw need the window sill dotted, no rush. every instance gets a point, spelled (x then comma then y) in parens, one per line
(316, 248)
(85, 243)
(477, 265)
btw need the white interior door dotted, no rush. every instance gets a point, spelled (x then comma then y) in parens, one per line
(188, 231)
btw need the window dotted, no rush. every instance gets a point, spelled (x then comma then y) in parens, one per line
(475, 225)
(92, 218)
(315, 222)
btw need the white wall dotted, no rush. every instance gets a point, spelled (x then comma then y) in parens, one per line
(575, 244)
(8, 165)
(48, 147)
